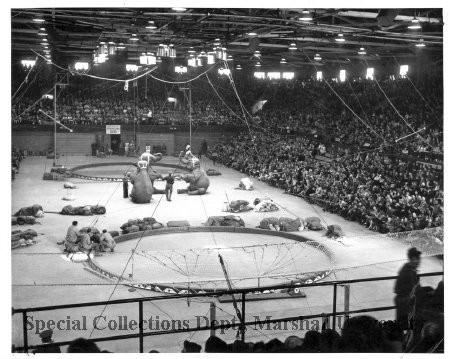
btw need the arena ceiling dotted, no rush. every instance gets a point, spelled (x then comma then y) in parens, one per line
(74, 33)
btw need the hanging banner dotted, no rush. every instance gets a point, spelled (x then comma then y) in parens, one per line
(113, 129)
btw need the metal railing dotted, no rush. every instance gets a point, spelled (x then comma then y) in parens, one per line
(241, 325)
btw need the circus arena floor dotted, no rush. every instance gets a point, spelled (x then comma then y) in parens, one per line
(42, 275)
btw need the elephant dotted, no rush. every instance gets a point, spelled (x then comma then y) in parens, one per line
(142, 181)
(197, 179)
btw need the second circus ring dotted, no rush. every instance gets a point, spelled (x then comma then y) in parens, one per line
(114, 171)
(185, 260)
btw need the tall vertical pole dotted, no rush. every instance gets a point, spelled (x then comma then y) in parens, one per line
(54, 105)
(334, 305)
(346, 300)
(135, 112)
(190, 117)
(212, 317)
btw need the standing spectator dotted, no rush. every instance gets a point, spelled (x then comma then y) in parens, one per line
(405, 288)
(125, 185)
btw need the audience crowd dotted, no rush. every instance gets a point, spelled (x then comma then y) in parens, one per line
(309, 108)
(383, 193)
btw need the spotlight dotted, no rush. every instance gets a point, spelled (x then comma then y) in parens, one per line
(415, 24)
(306, 16)
(361, 51)
(340, 38)
(28, 63)
(131, 67)
(81, 66)
(420, 43)
(151, 25)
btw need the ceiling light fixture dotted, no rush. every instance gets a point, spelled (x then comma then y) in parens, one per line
(38, 19)
(132, 67)
(121, 46)
(257, 54)
(340, 38)
(230, 58)
(420, 43)
(306, 16)
(179, 9)
(292, 47)
(191, 50)
(252, 33)
(415, 24)
(28, 63)
(361, 51)
(258, 64)
(151, 25)
(134, 38)
(238, 67)
(317, 57)
(283, 61)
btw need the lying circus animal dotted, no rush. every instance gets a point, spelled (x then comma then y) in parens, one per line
(334, 231)
(137, 225)
(313, 223)
(142, 181)
(35, 210)
(21, 239)
(224, 221)
(213, 172)
(197, 179)
(283, 224)
(236, 206)
(21, 220)
(87, 210)
(264, 205)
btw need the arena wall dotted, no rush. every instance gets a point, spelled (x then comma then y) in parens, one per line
(80, 143)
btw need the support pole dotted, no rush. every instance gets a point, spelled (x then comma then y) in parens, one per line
(141, 327)
(243, 318)
(334, 305)
(54, 108)
(212, 317)
(346, 300)
(190, 117)
(25, 331)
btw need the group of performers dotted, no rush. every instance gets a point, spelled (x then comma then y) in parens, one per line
(144, 164)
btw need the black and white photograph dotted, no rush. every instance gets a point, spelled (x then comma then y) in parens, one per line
(240, 178)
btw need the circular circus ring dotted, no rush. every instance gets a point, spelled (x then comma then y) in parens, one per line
(74, 174)
(307, 278)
